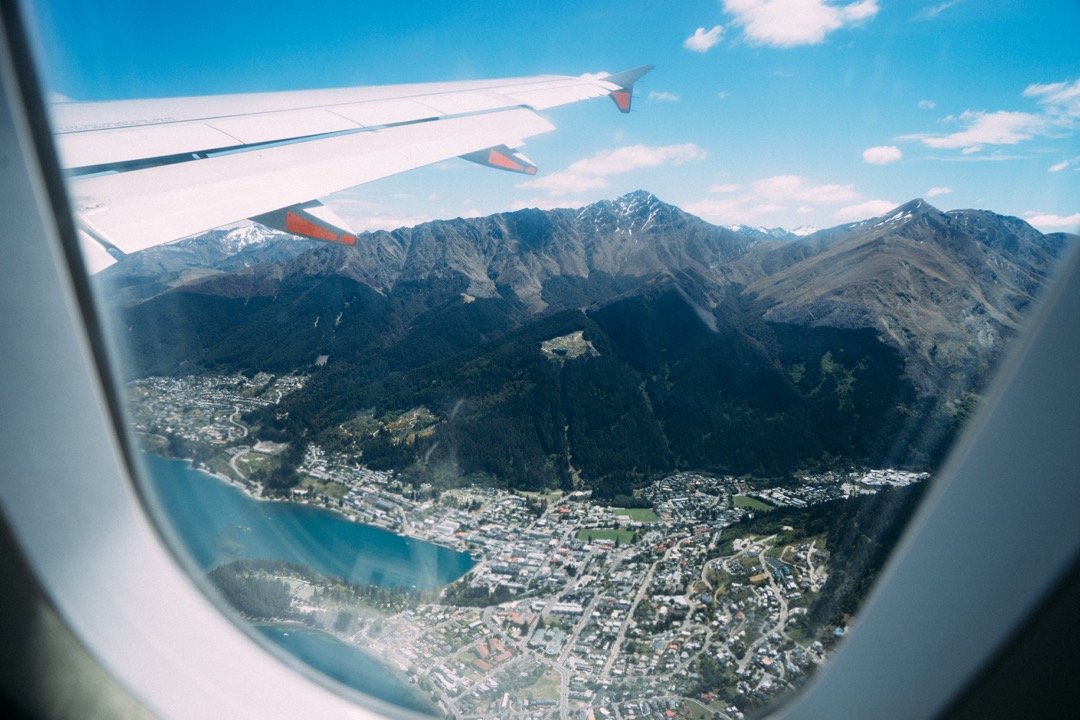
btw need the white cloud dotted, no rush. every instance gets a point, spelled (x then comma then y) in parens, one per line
(787, 23)
(1050, 220)
(1002, 127)
(781, 188)
(591, 173)
(927, 104)
(863, 210)
(1058, 115)
(542, 203)
(662, 96)
(730, 210)
(388, 219)
(703, 40)
(389, 211)
(566, 183)
(882, 155)
(1061, 99)
(935, 191)
(931, 12)
(762, 199)
(1068, 162)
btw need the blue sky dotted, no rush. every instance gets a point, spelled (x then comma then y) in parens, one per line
(764, 112)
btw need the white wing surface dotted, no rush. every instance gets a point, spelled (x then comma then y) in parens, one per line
(146, 172)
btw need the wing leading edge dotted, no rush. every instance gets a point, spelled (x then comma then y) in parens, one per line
(147, 172)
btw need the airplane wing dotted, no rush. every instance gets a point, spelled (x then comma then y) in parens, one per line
(146, 172)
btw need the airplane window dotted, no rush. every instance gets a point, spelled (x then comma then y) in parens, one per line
(629, 433)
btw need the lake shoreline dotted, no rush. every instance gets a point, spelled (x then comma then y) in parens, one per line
(221, 521)
(275, 632)
(259, 497)
(217, 520)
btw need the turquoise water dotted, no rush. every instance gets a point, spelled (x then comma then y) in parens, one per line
(346, 664)
(218, 523)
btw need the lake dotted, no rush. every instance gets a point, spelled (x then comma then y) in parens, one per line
(217, 523)
(347, 664)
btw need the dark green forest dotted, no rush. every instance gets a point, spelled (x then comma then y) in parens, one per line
(663, 391)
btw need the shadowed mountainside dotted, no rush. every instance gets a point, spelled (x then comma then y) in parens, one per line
(707, 348)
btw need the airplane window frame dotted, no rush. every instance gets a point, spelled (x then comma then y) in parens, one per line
(125, 595)
(70, 501)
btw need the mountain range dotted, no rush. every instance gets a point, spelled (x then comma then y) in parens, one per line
(683, 344)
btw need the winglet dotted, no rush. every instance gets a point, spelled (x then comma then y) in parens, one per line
(625, 81)
(310, 219)
(503, 158)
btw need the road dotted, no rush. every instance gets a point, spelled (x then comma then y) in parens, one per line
(237, 423)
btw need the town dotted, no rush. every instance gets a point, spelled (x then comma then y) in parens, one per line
(574, 609)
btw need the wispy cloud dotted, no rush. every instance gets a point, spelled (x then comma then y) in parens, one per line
(662, 97)
(788, 23)
(1059, 113)
(703, 40)
(1052, 221)
(1061, 100)
(544, 203)
(795, 187)
(882, 155)
(863, 210)
(1058, 167)
(751, 203)
(927, 104)
(591, 173)
(365, 216)
(1002, 127)
(932, 11)
(971, 155)
(935, 191)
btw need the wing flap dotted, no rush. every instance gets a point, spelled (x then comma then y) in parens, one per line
(120, 145)
(142, 208)
(270, 127)
(387, 112)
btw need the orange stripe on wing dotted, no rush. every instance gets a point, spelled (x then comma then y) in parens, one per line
(302, 226)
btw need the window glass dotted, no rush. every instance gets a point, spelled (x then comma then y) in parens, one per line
(631, 437)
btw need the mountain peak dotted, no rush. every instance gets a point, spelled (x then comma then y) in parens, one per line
(910, 209)
(633, 212)
(631, 202)
(639, 196)
(776, 233)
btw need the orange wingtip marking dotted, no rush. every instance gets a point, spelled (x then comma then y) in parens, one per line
(622, 99)
(497, 159)
(302, 226)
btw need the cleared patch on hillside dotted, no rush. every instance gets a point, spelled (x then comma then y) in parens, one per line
(567, 347)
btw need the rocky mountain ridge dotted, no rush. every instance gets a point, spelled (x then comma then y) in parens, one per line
(710, 350)
(945, 289)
